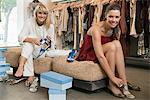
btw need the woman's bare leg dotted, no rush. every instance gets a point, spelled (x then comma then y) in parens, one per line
(20, 69)
(27, 50)
(120, 65)
(109, 51)
(121, 68)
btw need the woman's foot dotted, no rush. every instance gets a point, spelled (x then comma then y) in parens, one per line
(127, 93)
(19, 72)
(32, 83)
(116, 91)
(29, 81)
(34, 86)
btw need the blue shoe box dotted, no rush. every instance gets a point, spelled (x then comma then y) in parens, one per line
(2, 60)
(55, 80)
(4, 67)
(2, 50)
(55, 94)
(2, 74)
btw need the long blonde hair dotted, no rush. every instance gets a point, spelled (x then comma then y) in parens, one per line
(41, 7)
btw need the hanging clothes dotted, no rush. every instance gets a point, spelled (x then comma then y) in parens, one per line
(141, 20)
(32, 7)
(132, 18)
(123, 20)
(67, 36)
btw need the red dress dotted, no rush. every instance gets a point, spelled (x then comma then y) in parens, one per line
(87, 52)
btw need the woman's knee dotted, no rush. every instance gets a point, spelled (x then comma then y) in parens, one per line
(27, 49)
(27, 45)
(111, 47)
(117, 44)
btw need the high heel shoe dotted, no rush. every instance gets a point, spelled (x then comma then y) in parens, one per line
(127, 93)
(119, 95)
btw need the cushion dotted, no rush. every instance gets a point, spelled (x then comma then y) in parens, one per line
(12, 56)
(42, 65)
(83, 70)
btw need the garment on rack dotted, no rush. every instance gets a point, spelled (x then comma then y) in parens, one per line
(89, 15)
(67, 36)
(32, 7)
(123, 20)
(132, 20)
(141, 20)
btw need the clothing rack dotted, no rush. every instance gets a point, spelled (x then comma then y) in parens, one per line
(64, 1)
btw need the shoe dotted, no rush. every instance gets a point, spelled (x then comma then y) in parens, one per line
(28, 83)
(15, 81)
(119, 95)
(127, 93)
(71, 55)
(34, 86)
(133, 87)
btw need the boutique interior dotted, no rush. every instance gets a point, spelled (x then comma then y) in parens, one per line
(71, 20)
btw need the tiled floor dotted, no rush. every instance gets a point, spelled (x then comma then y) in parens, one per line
(137, 76)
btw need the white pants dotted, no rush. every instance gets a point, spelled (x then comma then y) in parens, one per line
(30, 51)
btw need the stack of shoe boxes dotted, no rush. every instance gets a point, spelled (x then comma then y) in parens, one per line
(56, 83)
(3, 65)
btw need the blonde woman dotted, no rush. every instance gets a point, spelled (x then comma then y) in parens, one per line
(33, 31)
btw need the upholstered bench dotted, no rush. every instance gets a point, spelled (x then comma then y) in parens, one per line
(87, 74)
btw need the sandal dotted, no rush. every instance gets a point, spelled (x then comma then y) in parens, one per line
(34, 86)
(28, 83)
(127, 93)
(15, 81)
(119, 95)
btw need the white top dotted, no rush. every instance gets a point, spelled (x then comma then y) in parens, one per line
(31, 29)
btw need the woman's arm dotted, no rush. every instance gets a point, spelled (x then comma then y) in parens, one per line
(96, 39)
(25, 34)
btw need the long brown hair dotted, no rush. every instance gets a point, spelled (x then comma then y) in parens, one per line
(116, 30)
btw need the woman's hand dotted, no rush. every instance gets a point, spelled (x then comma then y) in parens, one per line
(35, 41)
(48, 38)
(117, 81)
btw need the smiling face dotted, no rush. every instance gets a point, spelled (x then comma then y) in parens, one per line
(113, 18)
(41, 14)
(41, 17)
